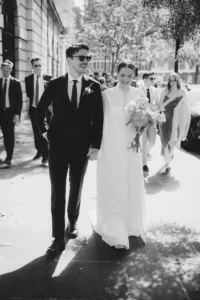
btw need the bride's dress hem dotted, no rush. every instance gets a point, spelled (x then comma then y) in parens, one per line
(109, 241)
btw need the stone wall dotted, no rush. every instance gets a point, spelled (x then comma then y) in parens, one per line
(37, 33)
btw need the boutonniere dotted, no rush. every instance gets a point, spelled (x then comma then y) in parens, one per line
(88, 90)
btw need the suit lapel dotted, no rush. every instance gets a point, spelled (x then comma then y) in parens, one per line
(1, 85)
(66, 95)
(85, 84)
(0, 91)
(11, 90)
(31, 86)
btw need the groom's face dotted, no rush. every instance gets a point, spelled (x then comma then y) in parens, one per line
(75, 64)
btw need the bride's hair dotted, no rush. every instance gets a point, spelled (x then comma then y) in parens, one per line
(125, 64)
(176, 78)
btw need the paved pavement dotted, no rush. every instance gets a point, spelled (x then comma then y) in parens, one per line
(167, 267)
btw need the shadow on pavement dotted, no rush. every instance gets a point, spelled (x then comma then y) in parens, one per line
(179, 248)
(161, 269)
(161, 182)
(97, 271)
(22, 168)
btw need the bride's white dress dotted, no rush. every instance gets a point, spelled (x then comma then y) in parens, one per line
(120, 183)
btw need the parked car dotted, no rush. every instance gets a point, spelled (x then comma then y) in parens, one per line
(192, 141)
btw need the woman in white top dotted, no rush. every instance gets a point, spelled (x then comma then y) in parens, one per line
(174, 102)
(120, 184)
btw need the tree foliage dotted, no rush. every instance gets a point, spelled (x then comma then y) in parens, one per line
(181, 22)
(181, 17)
(119, 26)
(190, 51)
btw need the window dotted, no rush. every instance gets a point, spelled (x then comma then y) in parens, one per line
(94, 65)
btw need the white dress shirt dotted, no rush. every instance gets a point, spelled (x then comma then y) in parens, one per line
(41, 87)
(154, 93)
(78, 85)
(7, 94)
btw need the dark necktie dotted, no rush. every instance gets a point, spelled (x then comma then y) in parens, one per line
(37, 91)
(148, 94)
(74, 95)
(4, 94)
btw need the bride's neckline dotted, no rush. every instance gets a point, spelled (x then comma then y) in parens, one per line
(123, 91)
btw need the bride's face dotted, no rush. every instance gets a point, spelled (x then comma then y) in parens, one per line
(125, 76)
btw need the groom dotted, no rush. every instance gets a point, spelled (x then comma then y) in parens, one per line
(74, 134)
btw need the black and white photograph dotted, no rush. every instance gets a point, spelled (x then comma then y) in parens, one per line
(99, 149)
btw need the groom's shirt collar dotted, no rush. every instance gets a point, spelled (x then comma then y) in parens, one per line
(71, 78)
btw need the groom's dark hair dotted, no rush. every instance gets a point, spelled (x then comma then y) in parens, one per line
(75, 48)
(147, 74)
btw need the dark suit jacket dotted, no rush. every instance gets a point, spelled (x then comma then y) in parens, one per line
(15, 96)
(29, 83)
(83, 126)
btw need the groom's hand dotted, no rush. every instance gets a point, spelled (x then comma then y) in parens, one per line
(92, 153)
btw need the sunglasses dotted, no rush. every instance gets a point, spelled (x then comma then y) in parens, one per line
(35, 66)
(172, 80)
(82, 57)
(108, 81)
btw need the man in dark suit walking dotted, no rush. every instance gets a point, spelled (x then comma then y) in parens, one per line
(10, 108)
(35, 86)
(75, 134)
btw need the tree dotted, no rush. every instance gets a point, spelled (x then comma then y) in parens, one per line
(117, 26)
(190, 53)
(181, 21)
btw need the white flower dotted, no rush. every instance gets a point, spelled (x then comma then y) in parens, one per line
(88, 90)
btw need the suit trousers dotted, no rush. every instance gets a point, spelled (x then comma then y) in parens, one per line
(148, 141)
(40, 142)
(60, 162)
(8, 126)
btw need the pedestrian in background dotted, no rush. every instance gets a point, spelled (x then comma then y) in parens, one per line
(102, 82)
(96, 76)
(109, 81)
(149, 134)
(35, 86)
(10, 108)
(178, 115)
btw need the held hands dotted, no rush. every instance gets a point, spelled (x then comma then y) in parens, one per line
(16, 119)
(92, 153)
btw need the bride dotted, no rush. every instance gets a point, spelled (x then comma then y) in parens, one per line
(120, 184)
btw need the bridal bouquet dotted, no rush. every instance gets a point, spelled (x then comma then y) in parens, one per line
(141, 114)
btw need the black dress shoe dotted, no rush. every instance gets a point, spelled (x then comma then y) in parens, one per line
(145, 168)
(7, 162)
(72, 230)
(56, 247)
(37, 156)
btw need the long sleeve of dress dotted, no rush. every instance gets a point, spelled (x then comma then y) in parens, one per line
(180, 123)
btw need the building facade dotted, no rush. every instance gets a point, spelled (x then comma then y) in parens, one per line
(31, 28)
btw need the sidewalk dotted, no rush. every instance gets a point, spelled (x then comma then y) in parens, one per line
(167, 267)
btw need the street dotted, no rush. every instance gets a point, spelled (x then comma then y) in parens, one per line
(167, 267)
(194, 95)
